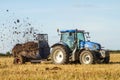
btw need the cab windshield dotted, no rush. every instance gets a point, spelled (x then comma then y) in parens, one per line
(80, 36)
(67, 36)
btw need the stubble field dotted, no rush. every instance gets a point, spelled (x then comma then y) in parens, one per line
(47, 71)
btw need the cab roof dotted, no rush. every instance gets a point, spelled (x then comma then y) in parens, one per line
(72, 30)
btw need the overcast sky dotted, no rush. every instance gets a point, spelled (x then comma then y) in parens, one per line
(99, 17)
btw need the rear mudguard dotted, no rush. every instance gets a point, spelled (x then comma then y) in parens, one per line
(62, 44)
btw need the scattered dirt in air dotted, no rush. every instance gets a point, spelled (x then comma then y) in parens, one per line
(7, 10)
(20, 31)
(18, 20)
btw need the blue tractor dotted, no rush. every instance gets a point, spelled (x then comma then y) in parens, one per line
(74, 47)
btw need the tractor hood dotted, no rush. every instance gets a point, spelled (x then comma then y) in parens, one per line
(90, 45)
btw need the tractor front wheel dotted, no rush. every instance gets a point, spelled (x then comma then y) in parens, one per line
(60, 55)
(86, 57)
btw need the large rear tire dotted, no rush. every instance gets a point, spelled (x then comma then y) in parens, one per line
(60, 55)
(86, 57)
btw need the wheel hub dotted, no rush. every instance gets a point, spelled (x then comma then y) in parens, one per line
(58, 56)
(86, 59)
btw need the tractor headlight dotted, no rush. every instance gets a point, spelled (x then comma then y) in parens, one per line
(96, 47)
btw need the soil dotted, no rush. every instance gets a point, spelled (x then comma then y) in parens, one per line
(27, 49)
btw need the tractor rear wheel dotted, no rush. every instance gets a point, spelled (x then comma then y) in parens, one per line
(86, 57)
(19, 60)
(60, 55)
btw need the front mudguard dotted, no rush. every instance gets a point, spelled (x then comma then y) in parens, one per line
(102, 54)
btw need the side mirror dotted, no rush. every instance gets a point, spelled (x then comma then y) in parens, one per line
(58, 31)
(87, 33)
(88, 36)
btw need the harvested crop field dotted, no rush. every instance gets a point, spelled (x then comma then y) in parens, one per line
(47, 71)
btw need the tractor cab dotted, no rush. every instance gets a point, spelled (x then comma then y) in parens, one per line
(71, 37)
(78, 38)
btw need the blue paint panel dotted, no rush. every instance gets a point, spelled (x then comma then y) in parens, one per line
(90, 45)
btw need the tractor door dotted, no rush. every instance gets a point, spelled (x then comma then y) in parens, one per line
(80, 37)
